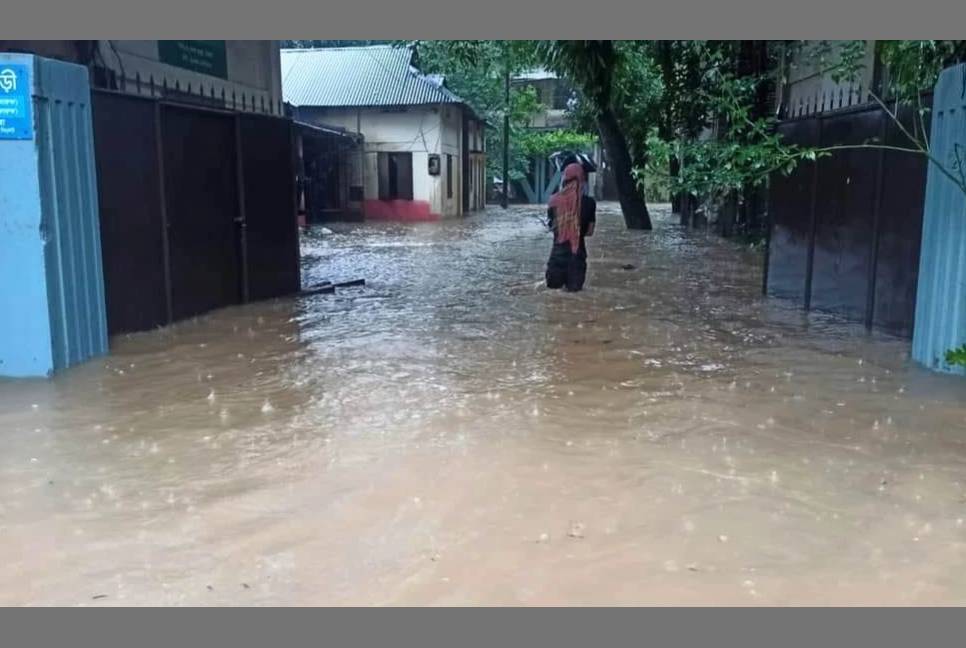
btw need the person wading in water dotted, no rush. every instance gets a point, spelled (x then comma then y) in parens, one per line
(571, 216)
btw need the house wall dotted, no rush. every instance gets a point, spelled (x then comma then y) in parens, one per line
(420, 130)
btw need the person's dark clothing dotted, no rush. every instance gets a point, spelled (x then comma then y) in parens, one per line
(565, 269)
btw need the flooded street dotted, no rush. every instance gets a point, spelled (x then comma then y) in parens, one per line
(454, 434)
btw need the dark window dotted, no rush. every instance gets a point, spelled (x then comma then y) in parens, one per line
(449, 175)
(395, 176)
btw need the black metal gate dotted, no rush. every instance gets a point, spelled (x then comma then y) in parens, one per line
(197, 208)
(845, 230)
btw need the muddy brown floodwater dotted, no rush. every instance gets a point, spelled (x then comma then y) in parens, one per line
(453, 434)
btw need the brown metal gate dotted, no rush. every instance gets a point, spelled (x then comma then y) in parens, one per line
(197, 208)
(130, 196)
(268, 172)
(201, 202)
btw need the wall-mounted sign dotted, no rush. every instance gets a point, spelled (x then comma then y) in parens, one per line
(204, 56)
(16, 120)
(434, 165)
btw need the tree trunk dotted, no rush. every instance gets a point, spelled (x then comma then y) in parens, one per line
(631, 199)
(674, 169)
(728, 215)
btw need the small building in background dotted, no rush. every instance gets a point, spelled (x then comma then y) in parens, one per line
(542, 179)
(422, 154)
(553, 93)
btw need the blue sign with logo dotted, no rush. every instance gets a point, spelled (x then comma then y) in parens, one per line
(16, 121)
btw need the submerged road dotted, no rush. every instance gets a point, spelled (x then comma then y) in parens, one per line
(454, 434)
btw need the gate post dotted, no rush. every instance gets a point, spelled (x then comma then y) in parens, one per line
(876, 227)
(940, 322)
(241, 219)
(51, 274)
(813, 227)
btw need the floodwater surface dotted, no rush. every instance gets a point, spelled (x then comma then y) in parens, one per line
(454, 434)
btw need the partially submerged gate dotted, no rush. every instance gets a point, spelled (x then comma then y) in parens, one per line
(197, 208)
(844, 230)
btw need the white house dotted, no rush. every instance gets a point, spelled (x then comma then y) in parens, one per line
(423, 153)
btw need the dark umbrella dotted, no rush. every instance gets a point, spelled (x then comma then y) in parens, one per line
(561, 159)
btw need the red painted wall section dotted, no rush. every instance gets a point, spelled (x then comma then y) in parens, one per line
(399, 210)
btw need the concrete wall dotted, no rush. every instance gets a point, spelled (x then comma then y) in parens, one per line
(420, 130)
(254, 67)
(51, 274)
(806, 79)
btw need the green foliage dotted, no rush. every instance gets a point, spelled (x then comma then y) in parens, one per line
(589, 64)
(701, 90)
(634, 90)
(657, 184)
(476, 71)
(543, 143)
(842, 61)
(911, 68)
(914, 66)
(956, 357)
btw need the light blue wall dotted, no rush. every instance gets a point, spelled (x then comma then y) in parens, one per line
(941, 295)
(52, 312)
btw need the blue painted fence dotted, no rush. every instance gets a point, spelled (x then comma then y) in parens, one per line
(941, 296)
(52, 312)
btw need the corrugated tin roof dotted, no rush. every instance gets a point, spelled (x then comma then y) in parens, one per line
(380, 75)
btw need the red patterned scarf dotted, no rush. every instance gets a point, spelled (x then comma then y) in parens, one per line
(566, 206)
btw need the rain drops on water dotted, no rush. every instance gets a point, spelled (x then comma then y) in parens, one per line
(267, 407)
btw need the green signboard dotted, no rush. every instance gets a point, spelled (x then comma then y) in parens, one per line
(204, 56)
